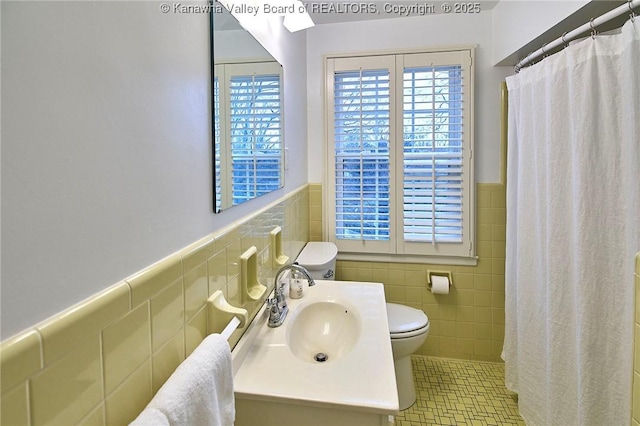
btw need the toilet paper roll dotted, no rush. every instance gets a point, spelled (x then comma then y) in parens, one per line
(439, 284)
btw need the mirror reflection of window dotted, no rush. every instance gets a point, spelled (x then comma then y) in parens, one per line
(216, 145)
(248, 144)
(248, 139)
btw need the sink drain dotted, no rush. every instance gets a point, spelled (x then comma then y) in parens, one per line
(321, 357)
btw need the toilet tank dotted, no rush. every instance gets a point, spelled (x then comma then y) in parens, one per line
(319, 258)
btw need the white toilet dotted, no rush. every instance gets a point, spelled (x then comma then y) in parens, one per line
(319, 258)
(408, 326)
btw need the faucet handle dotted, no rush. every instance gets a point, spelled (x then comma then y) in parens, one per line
(275, 315)
(278, 293)
(273, 302)
(274, 309)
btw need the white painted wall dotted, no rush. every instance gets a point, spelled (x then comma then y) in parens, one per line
(517, 22)
(409, 33)
(106, 146)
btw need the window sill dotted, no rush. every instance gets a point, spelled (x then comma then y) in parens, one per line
(390, 258)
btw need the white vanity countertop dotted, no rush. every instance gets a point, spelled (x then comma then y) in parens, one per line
(265, 368)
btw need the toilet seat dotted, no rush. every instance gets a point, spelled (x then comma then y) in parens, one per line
(405, 321)
(408, 334)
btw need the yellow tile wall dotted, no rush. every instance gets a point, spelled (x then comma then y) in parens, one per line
(315, 212)
(635, 407)
(468, 323)
(101, 362)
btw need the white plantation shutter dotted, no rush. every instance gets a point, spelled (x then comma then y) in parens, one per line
(256, 135)
(362, 154)
(437, 171)
(254, 131)
(432, 121)
(217, 172)
(418, 153)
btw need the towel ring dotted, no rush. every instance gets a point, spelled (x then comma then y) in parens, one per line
(593, 29)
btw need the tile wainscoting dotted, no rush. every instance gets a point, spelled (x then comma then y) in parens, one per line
(101, 361)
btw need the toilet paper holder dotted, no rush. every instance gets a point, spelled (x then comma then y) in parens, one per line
(431, 273)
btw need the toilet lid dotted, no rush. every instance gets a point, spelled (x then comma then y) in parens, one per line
(403, 318)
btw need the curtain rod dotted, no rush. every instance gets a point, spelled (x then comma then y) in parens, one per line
(572, 35)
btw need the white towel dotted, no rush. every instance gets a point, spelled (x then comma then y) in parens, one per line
(151, 416)
(199, 392)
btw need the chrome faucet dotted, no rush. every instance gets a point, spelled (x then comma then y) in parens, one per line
(277, 306)
(298, 268)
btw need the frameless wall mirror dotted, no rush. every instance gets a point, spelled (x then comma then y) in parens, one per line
(248, 144)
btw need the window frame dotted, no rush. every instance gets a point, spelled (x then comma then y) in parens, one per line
(398, 250)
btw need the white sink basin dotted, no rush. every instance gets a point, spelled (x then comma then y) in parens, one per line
(345, 320)
(323, 330)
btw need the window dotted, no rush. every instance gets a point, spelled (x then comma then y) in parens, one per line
(400, 154)
(248, 131)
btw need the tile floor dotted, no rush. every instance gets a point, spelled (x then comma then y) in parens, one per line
(459, 392)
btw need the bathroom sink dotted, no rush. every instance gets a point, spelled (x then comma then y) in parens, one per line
(323, 331)
(346, 321)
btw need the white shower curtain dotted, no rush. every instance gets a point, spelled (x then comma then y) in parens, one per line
(573, 212)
